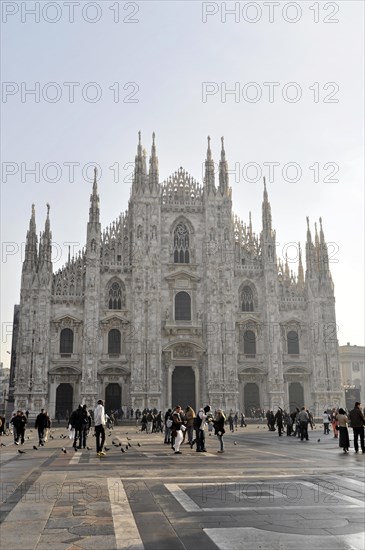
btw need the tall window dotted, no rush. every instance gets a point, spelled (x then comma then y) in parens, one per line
(181, 244)
(115, 296)
(66, 341)
(114, 342)
(293, 342)
(182, 307)
(249, 343)
(247, 299)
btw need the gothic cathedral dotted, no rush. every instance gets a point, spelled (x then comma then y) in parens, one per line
(177, 301)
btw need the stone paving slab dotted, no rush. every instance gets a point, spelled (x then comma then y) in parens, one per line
(80, 502)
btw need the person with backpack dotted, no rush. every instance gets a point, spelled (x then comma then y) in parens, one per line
(199, 426)
(176, 429)
(326, 423)
(168, 425)
(219, 430)
(86, 425)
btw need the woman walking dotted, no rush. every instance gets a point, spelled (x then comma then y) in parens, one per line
(342, 422)
(219, 430)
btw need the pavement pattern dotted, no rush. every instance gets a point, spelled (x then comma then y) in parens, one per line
(264, 493)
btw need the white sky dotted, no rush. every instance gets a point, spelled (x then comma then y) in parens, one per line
(169, 53)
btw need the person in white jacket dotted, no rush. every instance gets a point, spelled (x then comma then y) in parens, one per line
(99, 422)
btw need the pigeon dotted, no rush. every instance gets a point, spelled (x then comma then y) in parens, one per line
(126, 448)
(75, 449)
(106, 449)
(28, 437)
(129, 445)
(123, 451)
(64, 450)
(3, 445)
(138, 444)
(129, 439)
(21, 452)
(318, 440)
(88, 448)
(35, 448)
(51, 437)
(234, 442)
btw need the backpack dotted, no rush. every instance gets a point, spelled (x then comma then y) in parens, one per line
(197, 422)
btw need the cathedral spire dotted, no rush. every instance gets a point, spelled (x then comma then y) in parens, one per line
(94, 211)
(45, 245)
(266, 213)
(309, 252)
(323, 252)
(209, 179)
(139, 167)
(31, 255)
(153, 175)
(223, 171)
(300, 268)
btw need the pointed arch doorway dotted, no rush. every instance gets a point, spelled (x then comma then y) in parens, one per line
(183, 387)
(296, 396)
(113, 397)
(251, 397)
(64, 400)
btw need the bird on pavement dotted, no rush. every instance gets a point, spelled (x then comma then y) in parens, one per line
(21, 452)
(234, 442)
(88, 448)
(318, 440)
(138, 444)
(123, 451)
(64, 450)
(35, 448)
(106, 448)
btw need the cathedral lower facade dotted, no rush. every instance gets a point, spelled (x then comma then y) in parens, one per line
(177, 301)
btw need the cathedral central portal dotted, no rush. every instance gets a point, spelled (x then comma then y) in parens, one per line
(183, 387)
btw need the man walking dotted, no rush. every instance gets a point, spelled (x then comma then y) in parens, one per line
(303, 423)
(41, 423)
(99, 422)
(357, 420)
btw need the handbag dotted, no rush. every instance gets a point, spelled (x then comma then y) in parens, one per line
(182, 428)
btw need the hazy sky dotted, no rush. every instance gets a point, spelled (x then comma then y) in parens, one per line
(102, 71)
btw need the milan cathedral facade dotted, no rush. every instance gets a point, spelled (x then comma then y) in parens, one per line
(176, 301)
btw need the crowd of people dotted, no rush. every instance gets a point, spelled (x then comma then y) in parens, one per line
(186, 426)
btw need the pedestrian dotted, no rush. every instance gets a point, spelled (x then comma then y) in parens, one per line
(41, 423)
(326, 423)
(303, 422)
(177, 429)
(77, 422)
(334, 423)
(199, 427)
(342, 422)
(86, 425)
(19, 422)
(279, 420)
(99, 423)
(219, 430)
(168, 425)
(190, 415)
(357, 420)
(48, 427)
(289, 424)
(149, 422)
(230, 422)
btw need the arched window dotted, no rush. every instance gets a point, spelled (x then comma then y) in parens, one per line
(115, 297)
(181, 244)
(249, 343)
(66, 341)
(182, 307)
(247, 299)
(114, 342)
(293, 342)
